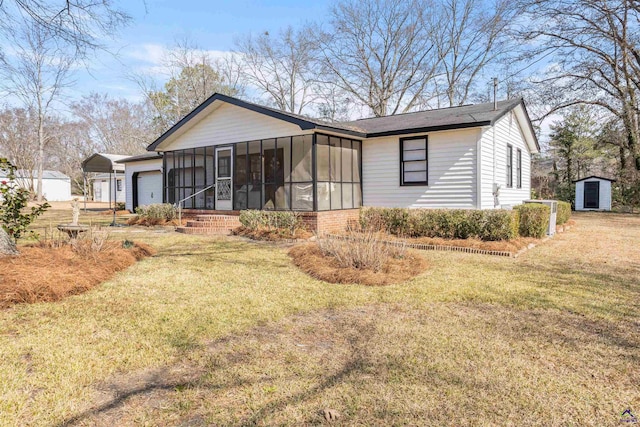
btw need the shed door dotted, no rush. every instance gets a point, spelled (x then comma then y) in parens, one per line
(592, 194)
(149, 188)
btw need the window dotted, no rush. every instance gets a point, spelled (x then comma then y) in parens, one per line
(509, 166)
(413, 161)
(519, 168)
(119, 185)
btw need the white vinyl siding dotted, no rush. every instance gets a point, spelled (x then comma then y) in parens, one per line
(507, 132)
(451, 172)
(604, 199)
(228, 124)
(142, 166)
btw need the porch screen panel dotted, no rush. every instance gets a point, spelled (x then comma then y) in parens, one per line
(283, 173)
(301, 167)
(240, 177)
(269, 159)
(187, 173)
(338, 173)
(254, 185)
(200, 174)
(210, 173)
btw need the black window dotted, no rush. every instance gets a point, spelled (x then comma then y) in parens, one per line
(413, 161)
(509, 166)
(519, 168)
(119, 185)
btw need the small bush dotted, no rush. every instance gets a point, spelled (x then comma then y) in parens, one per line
(564, 212)
(534, 219)
(159, 211)
(120, 206)
(362, 251)
(255, 220)
(486, 225)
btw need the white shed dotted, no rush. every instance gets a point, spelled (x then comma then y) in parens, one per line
(143, 178)
(593, 193)
(108, 185)
(56, 186)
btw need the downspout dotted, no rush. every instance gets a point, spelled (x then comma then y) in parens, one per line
(496, 187)
(479, 169)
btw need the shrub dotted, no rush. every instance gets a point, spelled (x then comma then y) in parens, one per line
(158, 211)
(534, 219)
(362, 251)
(443, 223)
(564, 212)
(270, 220)
(13, 201)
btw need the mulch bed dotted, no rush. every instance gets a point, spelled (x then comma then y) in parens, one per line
(273, 235)
(310, 259)
(45, 274)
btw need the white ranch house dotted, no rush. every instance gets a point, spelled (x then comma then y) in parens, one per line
(247, 156)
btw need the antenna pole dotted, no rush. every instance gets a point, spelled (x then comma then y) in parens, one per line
(495, 93)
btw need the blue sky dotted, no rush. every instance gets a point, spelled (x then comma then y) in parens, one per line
(212, 25)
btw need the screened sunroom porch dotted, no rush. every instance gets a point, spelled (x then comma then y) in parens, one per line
(311, 172)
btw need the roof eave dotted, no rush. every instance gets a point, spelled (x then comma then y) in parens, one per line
(409, 131)
(303, 124)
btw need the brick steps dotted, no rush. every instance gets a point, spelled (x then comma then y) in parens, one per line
(210, 224)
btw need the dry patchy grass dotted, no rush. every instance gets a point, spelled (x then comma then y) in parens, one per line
(212, 325)
(388, 364)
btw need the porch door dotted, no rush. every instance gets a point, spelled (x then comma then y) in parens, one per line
(224, 169)
(592, 194)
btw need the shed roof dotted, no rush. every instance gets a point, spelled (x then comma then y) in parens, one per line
(141, 157)
(103, 162)
(594, 176)
(47, 174)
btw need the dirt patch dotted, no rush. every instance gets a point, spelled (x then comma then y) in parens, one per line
(273, 235)
(44, 274)
(310, 259)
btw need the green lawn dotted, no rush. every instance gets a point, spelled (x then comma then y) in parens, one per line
(218, 331)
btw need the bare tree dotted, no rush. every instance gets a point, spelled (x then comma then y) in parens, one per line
(17, 142)
(594, 50)
(280, 67)
(36, 72)
(79, 23)
(192, 75)
(72, 143)
(382, 52)
(114, 125)
(470, 36)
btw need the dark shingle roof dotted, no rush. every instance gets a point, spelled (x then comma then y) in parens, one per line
(431, 120)
(141, 157)
(400, 124)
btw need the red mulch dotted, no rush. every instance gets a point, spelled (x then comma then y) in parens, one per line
(44, 274)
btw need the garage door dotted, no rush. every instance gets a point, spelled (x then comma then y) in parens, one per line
(149, 188)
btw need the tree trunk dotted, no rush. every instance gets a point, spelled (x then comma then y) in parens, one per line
(7, 245)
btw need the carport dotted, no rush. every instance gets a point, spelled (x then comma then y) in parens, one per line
(104, 163)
